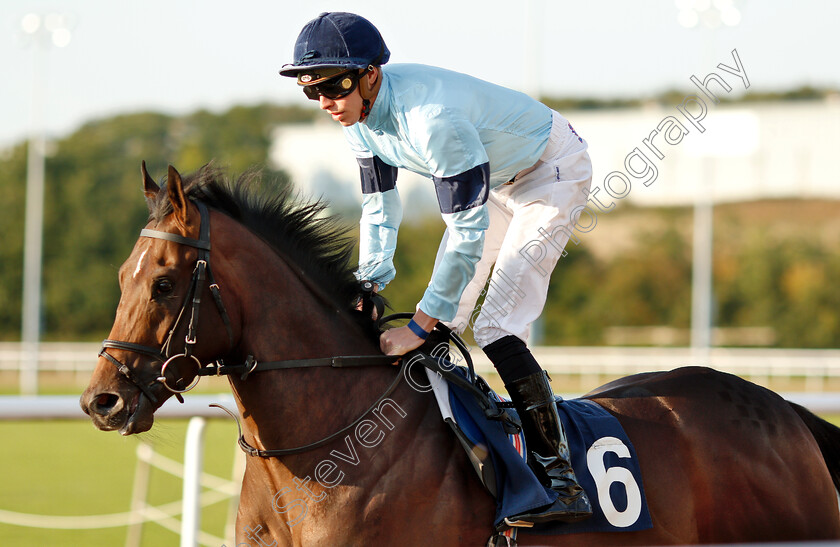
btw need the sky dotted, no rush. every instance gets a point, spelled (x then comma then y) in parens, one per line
(177, 56)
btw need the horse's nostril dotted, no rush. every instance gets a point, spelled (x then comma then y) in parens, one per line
(104, 403)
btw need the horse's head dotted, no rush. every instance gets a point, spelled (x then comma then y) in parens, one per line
(153, 349)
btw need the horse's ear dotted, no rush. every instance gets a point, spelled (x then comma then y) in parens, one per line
(175, 191)
(150, 188)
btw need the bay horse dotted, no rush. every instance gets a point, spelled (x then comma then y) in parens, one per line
(722, 460)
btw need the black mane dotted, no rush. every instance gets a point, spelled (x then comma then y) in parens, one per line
(296, 229)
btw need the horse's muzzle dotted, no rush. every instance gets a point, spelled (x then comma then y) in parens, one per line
(127, 412)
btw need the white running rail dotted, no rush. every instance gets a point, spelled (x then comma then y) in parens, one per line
(815, 365)
(196, 408)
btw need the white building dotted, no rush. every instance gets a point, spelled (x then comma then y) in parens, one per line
(320, 164)
(746, 151)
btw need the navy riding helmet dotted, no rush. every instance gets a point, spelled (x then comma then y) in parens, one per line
(337, 40)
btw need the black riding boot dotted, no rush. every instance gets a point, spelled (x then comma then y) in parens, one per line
(546, 441)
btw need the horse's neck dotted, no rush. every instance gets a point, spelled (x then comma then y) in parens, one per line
(283, 313)
(401, 444)
(282, 318)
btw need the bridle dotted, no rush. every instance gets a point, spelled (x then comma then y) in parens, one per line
(201, 273)
(192, 300)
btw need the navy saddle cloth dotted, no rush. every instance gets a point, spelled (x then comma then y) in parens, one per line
(602, 456)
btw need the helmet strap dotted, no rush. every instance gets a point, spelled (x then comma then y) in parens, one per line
(364, 88)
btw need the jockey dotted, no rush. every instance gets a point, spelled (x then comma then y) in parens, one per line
(510, 174)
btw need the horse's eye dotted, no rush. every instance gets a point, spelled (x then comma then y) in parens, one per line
(161, 287)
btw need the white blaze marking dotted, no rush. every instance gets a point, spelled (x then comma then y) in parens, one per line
(139, 263)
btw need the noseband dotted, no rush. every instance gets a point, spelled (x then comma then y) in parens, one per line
(201, 272)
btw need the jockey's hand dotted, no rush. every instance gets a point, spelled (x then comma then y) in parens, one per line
(401, 340)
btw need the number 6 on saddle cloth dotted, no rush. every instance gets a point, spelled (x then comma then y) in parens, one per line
(602, 455)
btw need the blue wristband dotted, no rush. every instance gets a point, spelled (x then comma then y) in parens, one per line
(417, 329)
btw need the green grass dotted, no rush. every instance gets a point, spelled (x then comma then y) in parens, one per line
(70, 468)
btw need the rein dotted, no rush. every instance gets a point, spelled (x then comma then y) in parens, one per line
(493, 410)
(359, 361)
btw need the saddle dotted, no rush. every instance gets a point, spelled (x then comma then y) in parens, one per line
(487, 427)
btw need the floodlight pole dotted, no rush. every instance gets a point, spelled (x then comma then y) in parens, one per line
(33, 231)
(44, 31)
(702, 295)
(693, 13)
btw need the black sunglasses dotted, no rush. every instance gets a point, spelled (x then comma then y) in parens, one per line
(334, 88)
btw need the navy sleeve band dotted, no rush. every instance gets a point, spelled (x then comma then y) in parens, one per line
(377, 176)
(464, 191)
